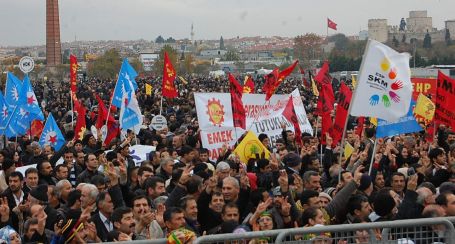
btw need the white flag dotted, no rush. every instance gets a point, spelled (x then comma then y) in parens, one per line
(384, 87)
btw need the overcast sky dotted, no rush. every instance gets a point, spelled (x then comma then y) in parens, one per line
(22, 22)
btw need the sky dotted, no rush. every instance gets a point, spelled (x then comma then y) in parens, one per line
(22, 22)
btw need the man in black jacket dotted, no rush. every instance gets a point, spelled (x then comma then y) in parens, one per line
(102, 218)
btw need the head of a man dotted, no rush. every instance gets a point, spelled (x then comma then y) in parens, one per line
(104, 203)
(154, 187)
(217, 202)
(312, 181)
(230, 212)
(230, 189)
(174, 218)
(123, 221)
(15, 181)
(141, 206)
(189, 206)
(89, 192)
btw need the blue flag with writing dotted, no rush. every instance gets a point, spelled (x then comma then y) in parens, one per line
(5, 112)
(13, 89)
(52, 135)
(126, 83)
(406, 124)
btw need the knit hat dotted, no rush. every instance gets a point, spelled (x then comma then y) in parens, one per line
(40, 193)
(70, 228)
(292, 160)
(325, 195)
(330, 191)
(365, 182)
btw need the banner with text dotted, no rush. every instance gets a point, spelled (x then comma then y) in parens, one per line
(214, 111)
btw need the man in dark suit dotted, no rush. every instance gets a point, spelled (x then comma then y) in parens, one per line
(15, 196)
(101, 219)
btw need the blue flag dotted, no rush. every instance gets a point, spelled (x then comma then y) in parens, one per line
(17, 122)
(12, 90)
(406, 124)
(51, 134)
(126, 83)
(28, 101)
(4, 115)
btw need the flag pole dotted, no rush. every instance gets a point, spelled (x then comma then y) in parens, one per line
(72, 109)
(327, 27)
(373, 156)
(161, 103)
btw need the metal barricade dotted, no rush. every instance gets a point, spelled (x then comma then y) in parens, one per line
(155, 241)
(431, 230)
(243, 238)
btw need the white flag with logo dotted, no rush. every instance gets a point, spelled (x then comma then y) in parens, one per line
(384, 87)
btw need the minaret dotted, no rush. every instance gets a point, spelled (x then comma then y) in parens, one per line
(53, 45)
(192, 33)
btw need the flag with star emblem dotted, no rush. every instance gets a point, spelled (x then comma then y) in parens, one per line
(126, 76)
(274, 79)
(51, 134)
(28, 101)
(12, 90)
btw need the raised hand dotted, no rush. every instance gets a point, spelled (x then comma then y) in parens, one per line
(4, 209)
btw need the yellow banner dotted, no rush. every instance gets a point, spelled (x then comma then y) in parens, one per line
(148, 89)
(424, 107)
(250, 147)
(315, 88)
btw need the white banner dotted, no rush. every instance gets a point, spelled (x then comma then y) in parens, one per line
(214, 111)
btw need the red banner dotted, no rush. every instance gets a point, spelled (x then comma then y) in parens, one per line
(445, 111)
(73, 73)
(326, 97)
(81, 127)
(169, 74)
(425, 86)
(342, 113)
(290, 115)
(238, 111)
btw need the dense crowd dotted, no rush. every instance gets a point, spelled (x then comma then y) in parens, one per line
(179, 194)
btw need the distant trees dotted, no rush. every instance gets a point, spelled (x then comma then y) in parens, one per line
(105, 66)
(307, 47)
(161, 40)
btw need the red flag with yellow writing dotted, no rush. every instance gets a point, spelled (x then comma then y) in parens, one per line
(248, 87)
(169, 74)
(73, 73)
(81, 127)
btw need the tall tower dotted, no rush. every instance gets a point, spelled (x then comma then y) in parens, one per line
(53, 45)
(192, 33)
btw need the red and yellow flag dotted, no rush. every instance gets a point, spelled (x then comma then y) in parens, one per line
(274, 79)
(248, 86)
(169, 74)
(73, 73)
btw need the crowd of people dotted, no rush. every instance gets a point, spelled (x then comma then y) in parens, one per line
(97, 195)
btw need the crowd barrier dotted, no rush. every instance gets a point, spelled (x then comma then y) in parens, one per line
(412, 231)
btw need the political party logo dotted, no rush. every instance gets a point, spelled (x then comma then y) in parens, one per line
(386, 83)
(215, 111)
(251, 149)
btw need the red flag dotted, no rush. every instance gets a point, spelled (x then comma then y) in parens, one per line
(81, 127)
(102, 113)
(445, 95)
(36, 128)
(238, 110)
(342, 113)
(169, 74)
(360, 123)
(274, 79)
(73, 73)
(249, 85)
(112, 131)
(291, 116)
(331, 24)
(326, 97)
(326, 126)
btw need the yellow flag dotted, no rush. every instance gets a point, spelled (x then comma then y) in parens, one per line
(374, 121)
(315, 88)
(183, 80)
(148, 89)
(348, 150)
(424, 107)
(354, 80)
(249, 147)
